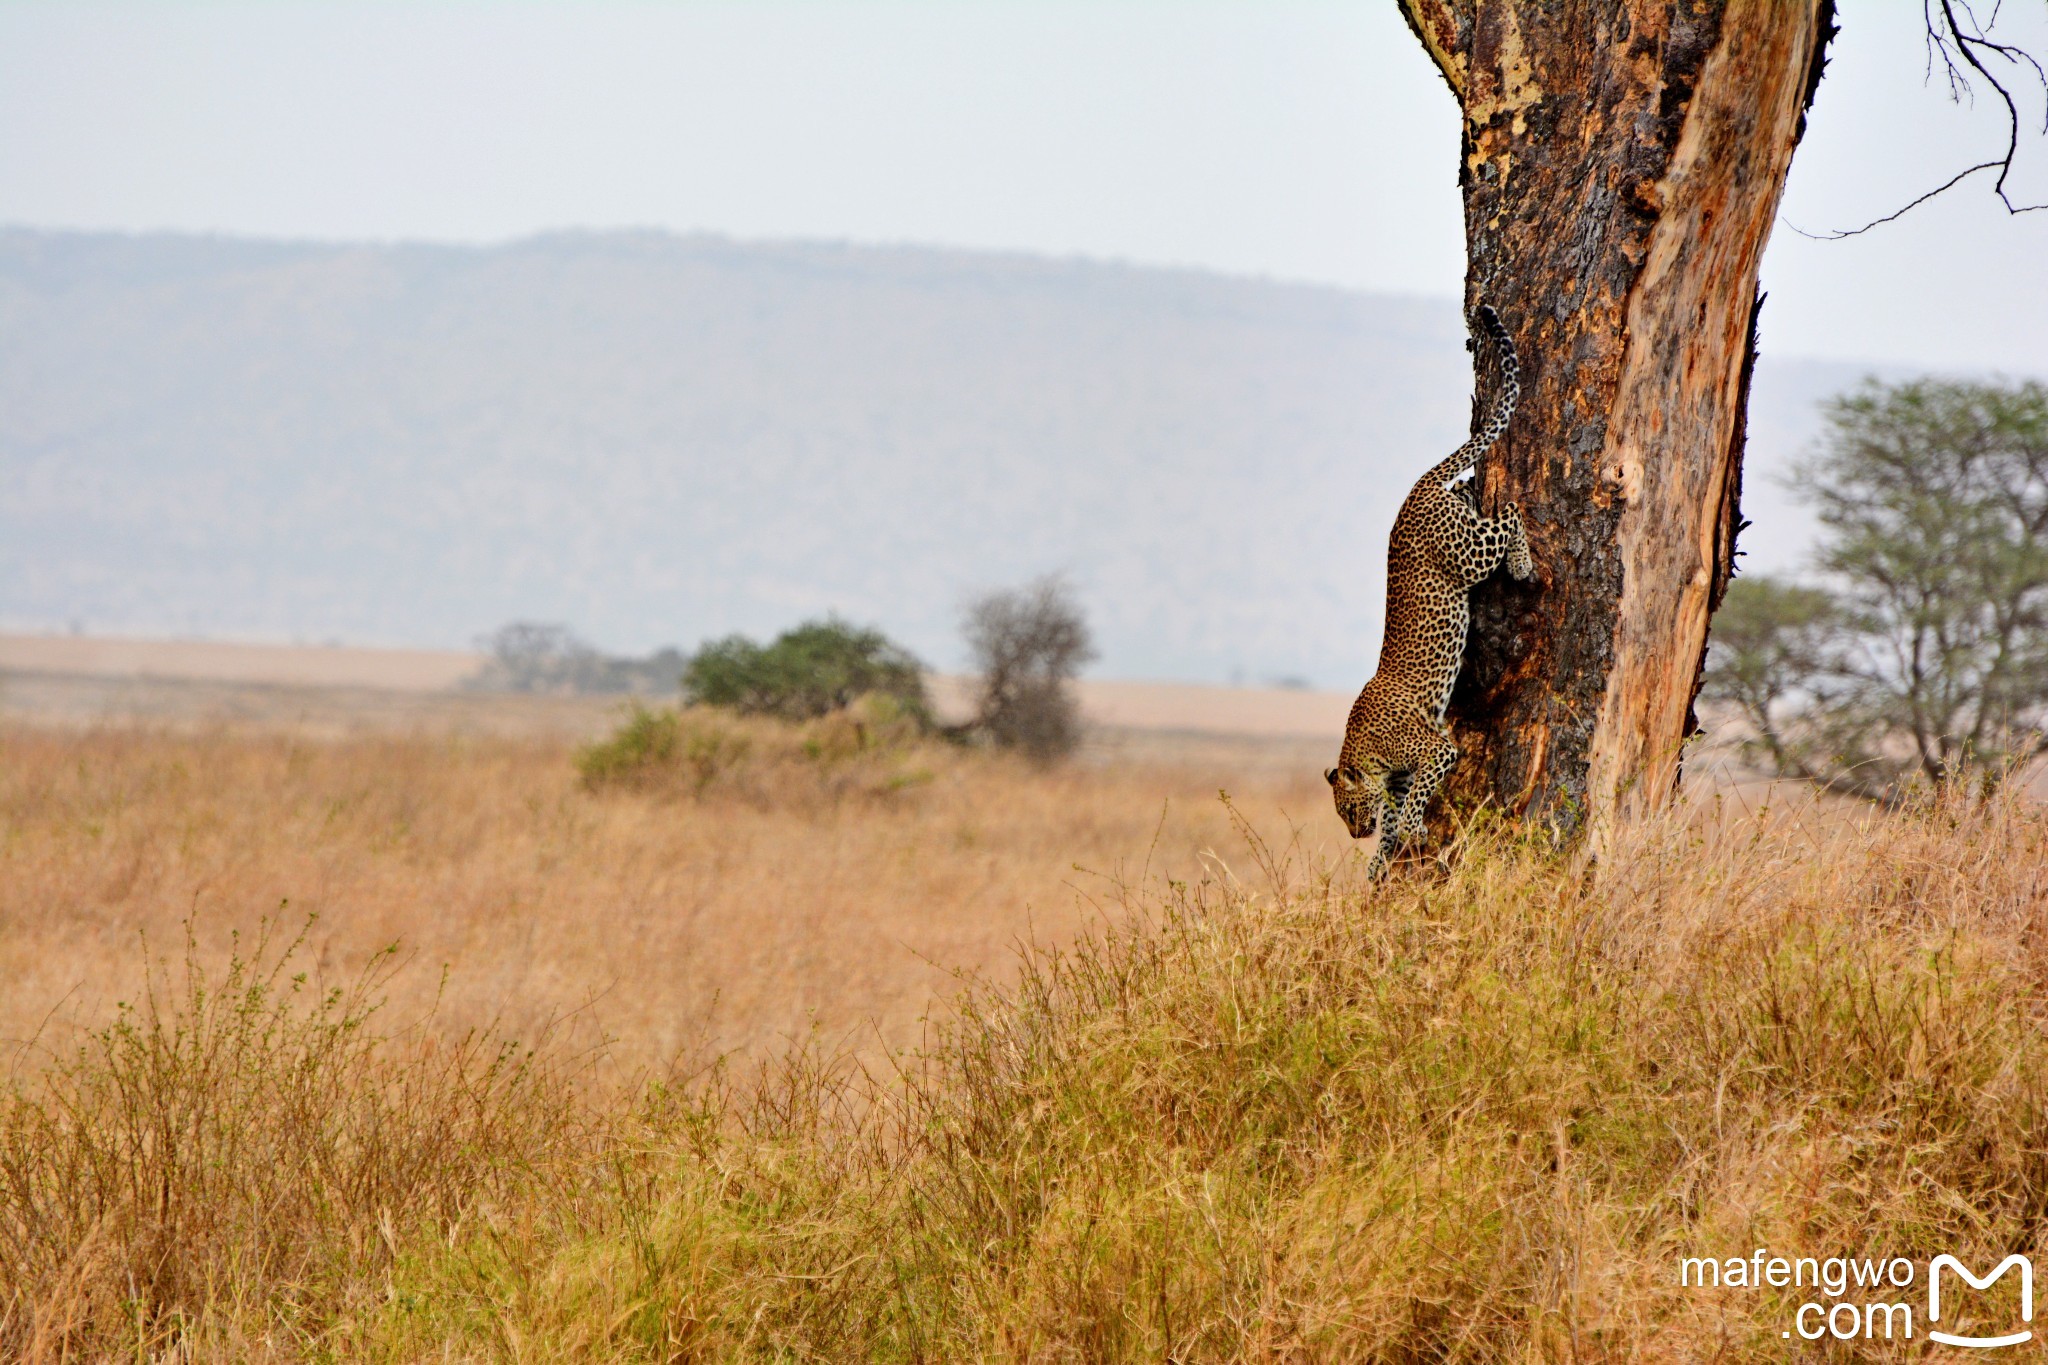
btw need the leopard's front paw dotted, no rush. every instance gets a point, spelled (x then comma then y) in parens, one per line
(1377, 868)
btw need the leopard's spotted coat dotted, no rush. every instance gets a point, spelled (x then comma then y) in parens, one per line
(1397, 749)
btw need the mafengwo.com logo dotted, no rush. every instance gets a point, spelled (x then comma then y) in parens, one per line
(1886, 1300)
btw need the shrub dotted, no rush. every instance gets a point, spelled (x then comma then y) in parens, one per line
(870, 747)
(528, 656)
(531, 656)
(811, 671)
(653, 744)
(647, 740)
(1028, 644)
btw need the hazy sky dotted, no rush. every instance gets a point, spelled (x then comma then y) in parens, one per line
(1302, 139)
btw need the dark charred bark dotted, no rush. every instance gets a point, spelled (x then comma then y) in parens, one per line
(1623, 161)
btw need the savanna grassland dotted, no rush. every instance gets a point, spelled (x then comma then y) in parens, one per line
(776, 881)
(1241, 1108)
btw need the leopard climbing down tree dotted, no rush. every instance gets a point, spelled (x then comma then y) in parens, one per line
(1397, 749)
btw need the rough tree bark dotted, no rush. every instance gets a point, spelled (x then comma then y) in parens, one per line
(1623, 161)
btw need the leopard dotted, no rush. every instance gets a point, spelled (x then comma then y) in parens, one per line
(1397, 746)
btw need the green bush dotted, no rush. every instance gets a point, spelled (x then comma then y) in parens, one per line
(873, 746)
(811, 671)
(655, 744)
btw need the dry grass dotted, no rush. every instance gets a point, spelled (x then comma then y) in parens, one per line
(218, 1163)
(783, 895)
(1263, 1114)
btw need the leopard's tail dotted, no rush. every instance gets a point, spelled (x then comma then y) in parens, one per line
(1468, 454)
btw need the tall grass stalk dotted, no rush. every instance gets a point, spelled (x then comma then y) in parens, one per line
(233, 1157)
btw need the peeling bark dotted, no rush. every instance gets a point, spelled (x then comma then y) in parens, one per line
(1623, 161)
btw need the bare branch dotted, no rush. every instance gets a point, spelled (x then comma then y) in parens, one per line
(1838, 234)
(1958, 49)
(1965, 45)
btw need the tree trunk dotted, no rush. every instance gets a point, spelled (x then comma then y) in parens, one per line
(1623, 161)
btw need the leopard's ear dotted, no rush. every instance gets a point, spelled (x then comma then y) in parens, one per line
(1353, 773)
(1330, 776)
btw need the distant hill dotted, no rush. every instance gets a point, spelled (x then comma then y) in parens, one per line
(659, 439)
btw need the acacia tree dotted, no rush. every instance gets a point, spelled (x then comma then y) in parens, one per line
(1622, 162)
(1929, 658)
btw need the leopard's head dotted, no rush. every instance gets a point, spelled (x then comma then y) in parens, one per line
(1361, 796)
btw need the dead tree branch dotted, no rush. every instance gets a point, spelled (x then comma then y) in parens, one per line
(1961, 43)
